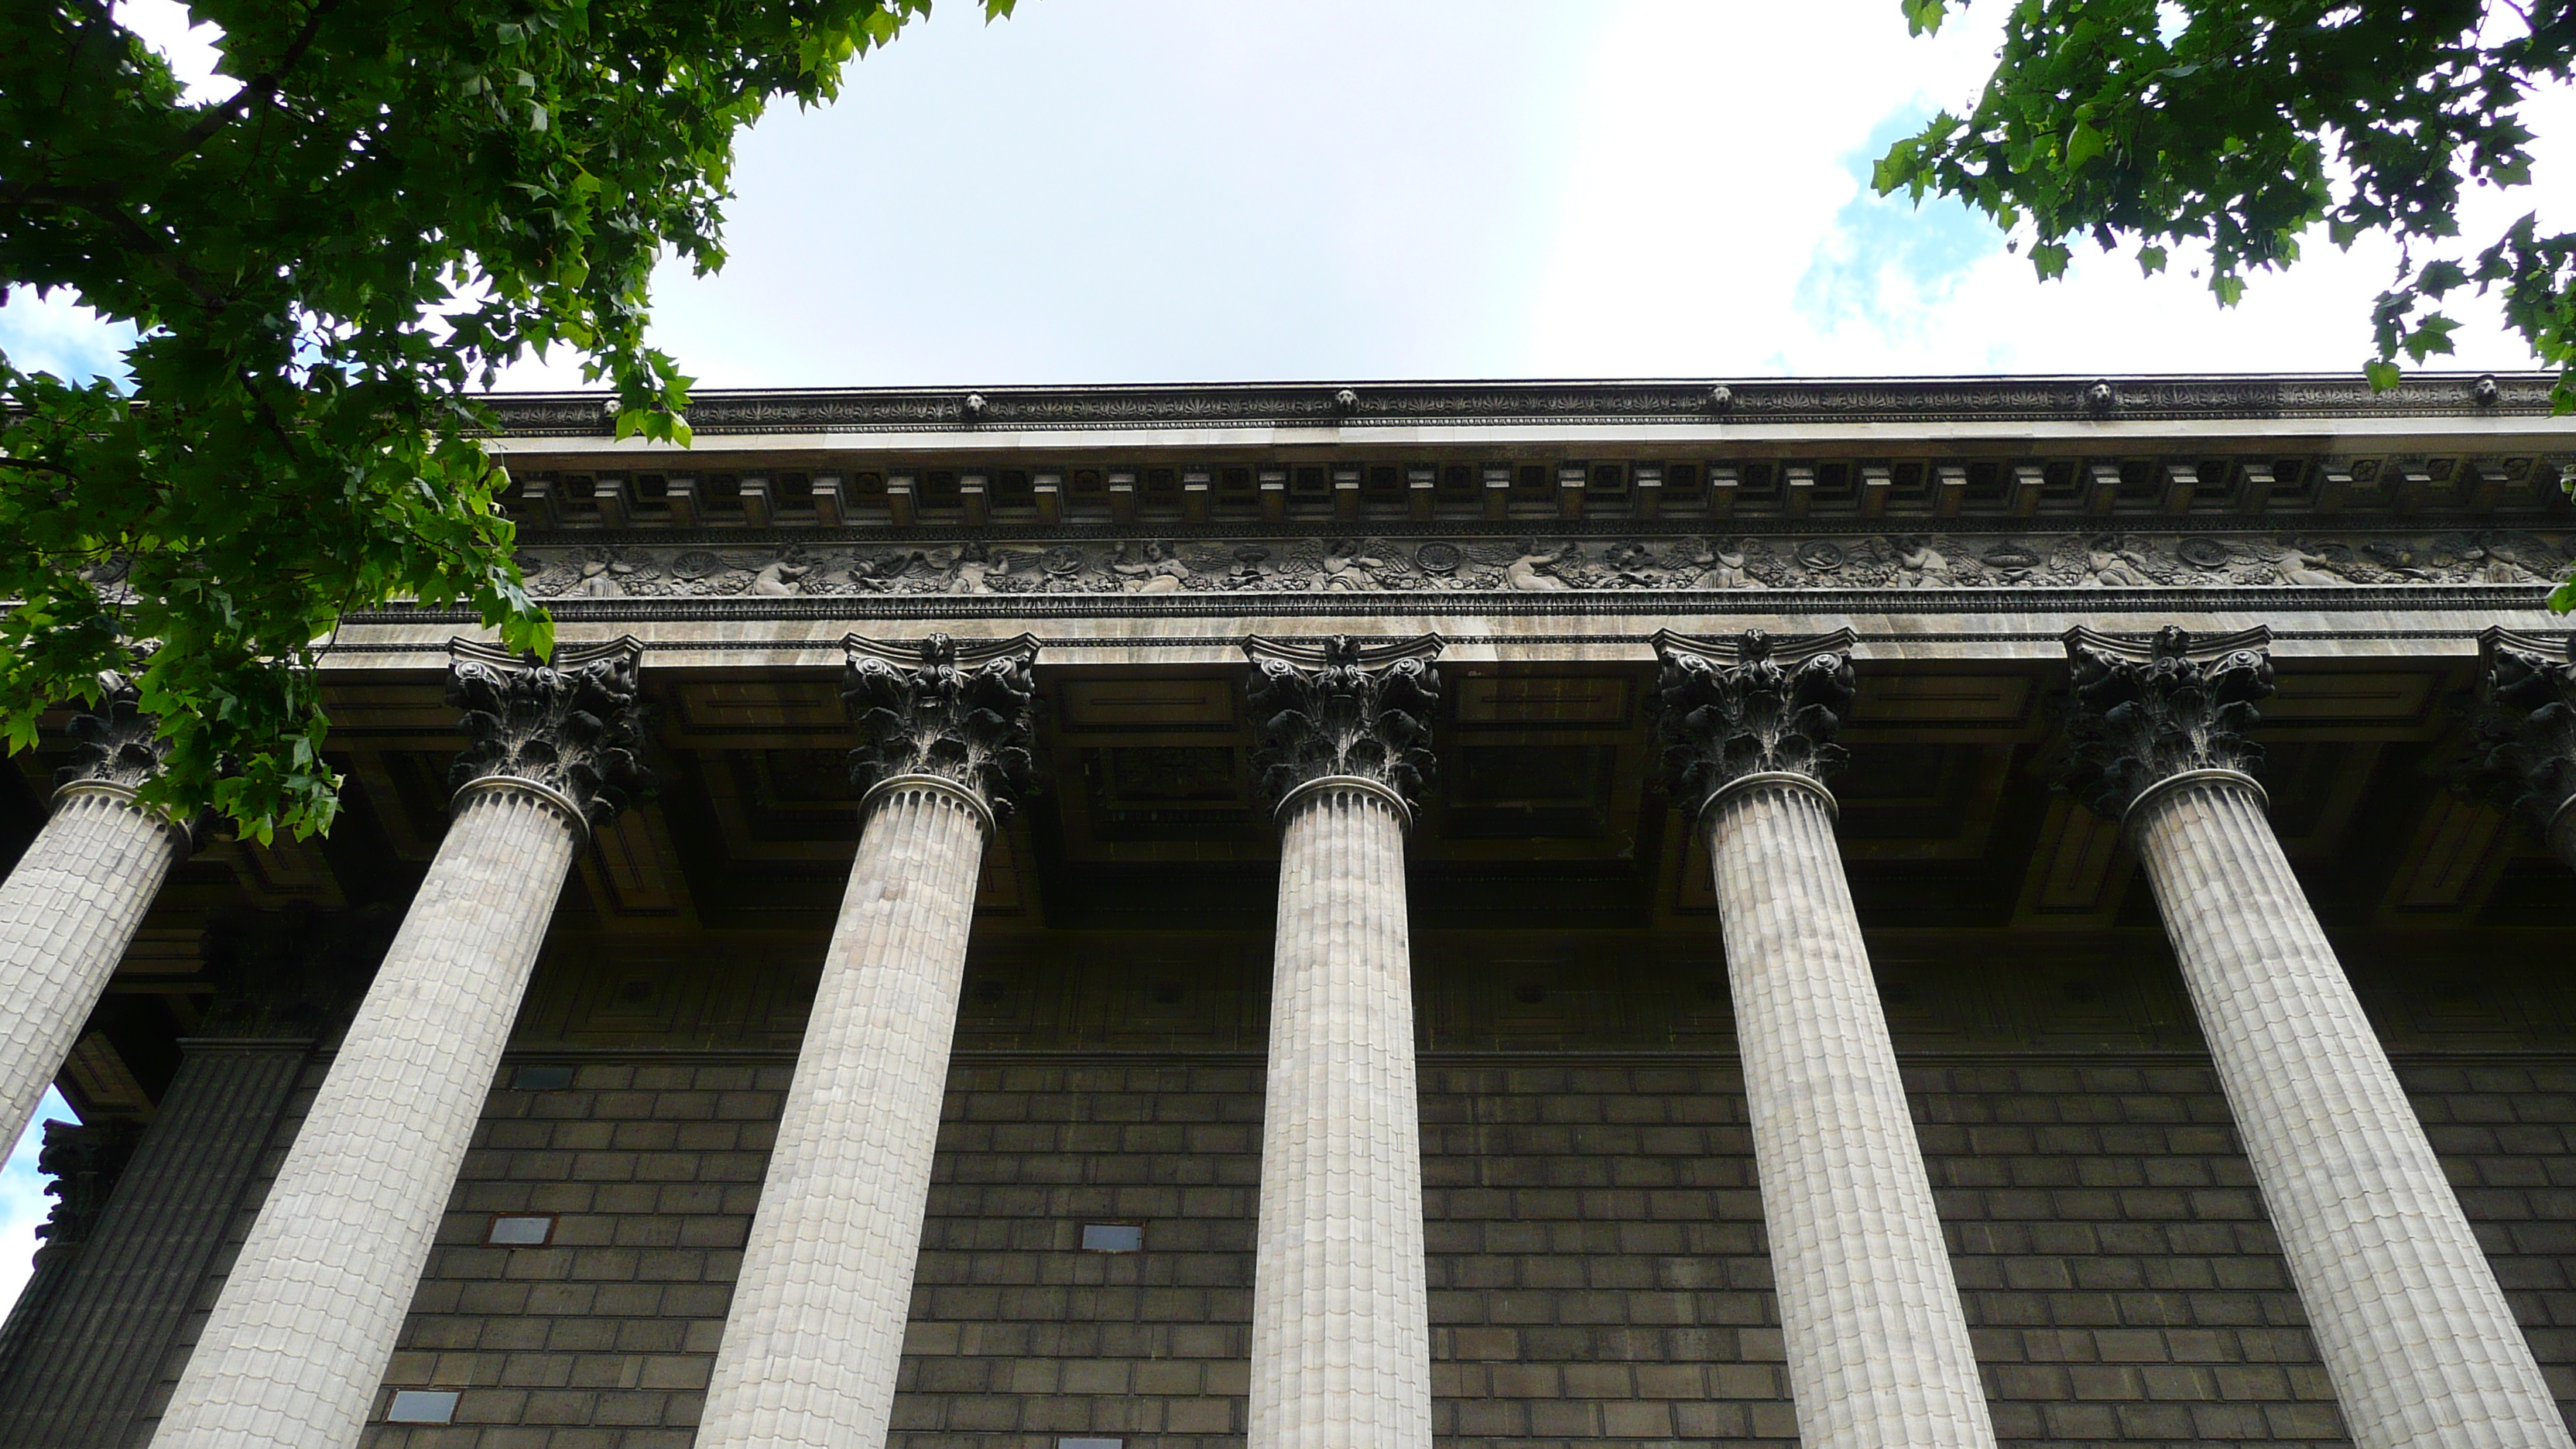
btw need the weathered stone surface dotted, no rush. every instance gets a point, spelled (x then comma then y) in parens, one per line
(1748, 704)
(2524, 752)
(1343, 708)
(1340, 1338)
(89, 1357)
(1878, 1351)
(299, 1339)
(2148, 711)
(571, 726)
(961, 712)
(2413, 1328)
(76, 898)
(815, 1337)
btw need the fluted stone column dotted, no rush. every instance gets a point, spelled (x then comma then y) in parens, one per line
(2416, 1336)
(2524, 755)
(76, 898)
(1341, 1335)
(1877, 1344)
(815, 1334)
(307, 1319)
(96, 1349)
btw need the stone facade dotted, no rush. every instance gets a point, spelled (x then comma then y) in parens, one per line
(1944, 913)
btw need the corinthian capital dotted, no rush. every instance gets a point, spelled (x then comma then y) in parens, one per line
(115, 743)
(964, 712)
(2147, 711)
(1341, 708)
(1740, 705)
(2524, 733)
(570, 728)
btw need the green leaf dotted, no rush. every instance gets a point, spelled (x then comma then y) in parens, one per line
(2082, 145)
(2382, 376)
(319, 277)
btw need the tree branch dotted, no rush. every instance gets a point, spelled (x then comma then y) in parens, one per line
(261, 88)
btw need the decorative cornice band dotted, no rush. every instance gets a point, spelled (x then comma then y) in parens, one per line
(1783, 779)
(1356, 784)
(2175, 784)
(537, 790)
(893, 785)
(1468, 404)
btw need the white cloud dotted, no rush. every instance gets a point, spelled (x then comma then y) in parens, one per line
(55, 333)
(1153, 190)
(1721, 224)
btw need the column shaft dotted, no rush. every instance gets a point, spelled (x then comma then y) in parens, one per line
(67, 913)
(1341, 1337)
(97, 1349)
(301, 1334)
(2417, 1337)
(1877, 1345)
(816, 1330)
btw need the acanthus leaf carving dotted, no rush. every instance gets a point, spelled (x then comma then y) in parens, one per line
(572, 725)
(1343, 708)
(963, 711)
(2148, 710)
(115, 742)
(1749, 704)
(2523, 735)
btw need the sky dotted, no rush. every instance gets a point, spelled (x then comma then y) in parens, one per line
(1200, 190)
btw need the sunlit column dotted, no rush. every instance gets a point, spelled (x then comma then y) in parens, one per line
(2415, 1333)
(307, 1320)
(1341, 1335)
(1877, 1343)
(815, 1335)
(76, 898)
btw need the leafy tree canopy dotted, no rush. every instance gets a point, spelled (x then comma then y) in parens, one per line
(323, 268)
(2238, 126)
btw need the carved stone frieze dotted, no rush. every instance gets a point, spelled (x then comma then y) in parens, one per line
(2148, 710)
(115, 743)
(1339, 707)
(571, 726)
(2523, 751)
(1326, 563)
(1749, 704)
(964, 711)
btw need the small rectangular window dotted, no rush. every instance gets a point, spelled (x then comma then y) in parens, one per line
(542, 1079)
(1083, 1443)
(1113, 1238)
(422, 1406)
(521, 1230)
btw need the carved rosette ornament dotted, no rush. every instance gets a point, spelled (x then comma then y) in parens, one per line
(963, 713)
(2160, 711)
(1342, 710)
(568, 731)
(1745, 707)
(2523, 737)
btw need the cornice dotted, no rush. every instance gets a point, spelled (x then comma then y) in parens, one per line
(717, 413)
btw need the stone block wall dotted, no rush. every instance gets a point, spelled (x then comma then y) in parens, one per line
(1597, 1260)
(1017, 1335)
(603, 1337)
